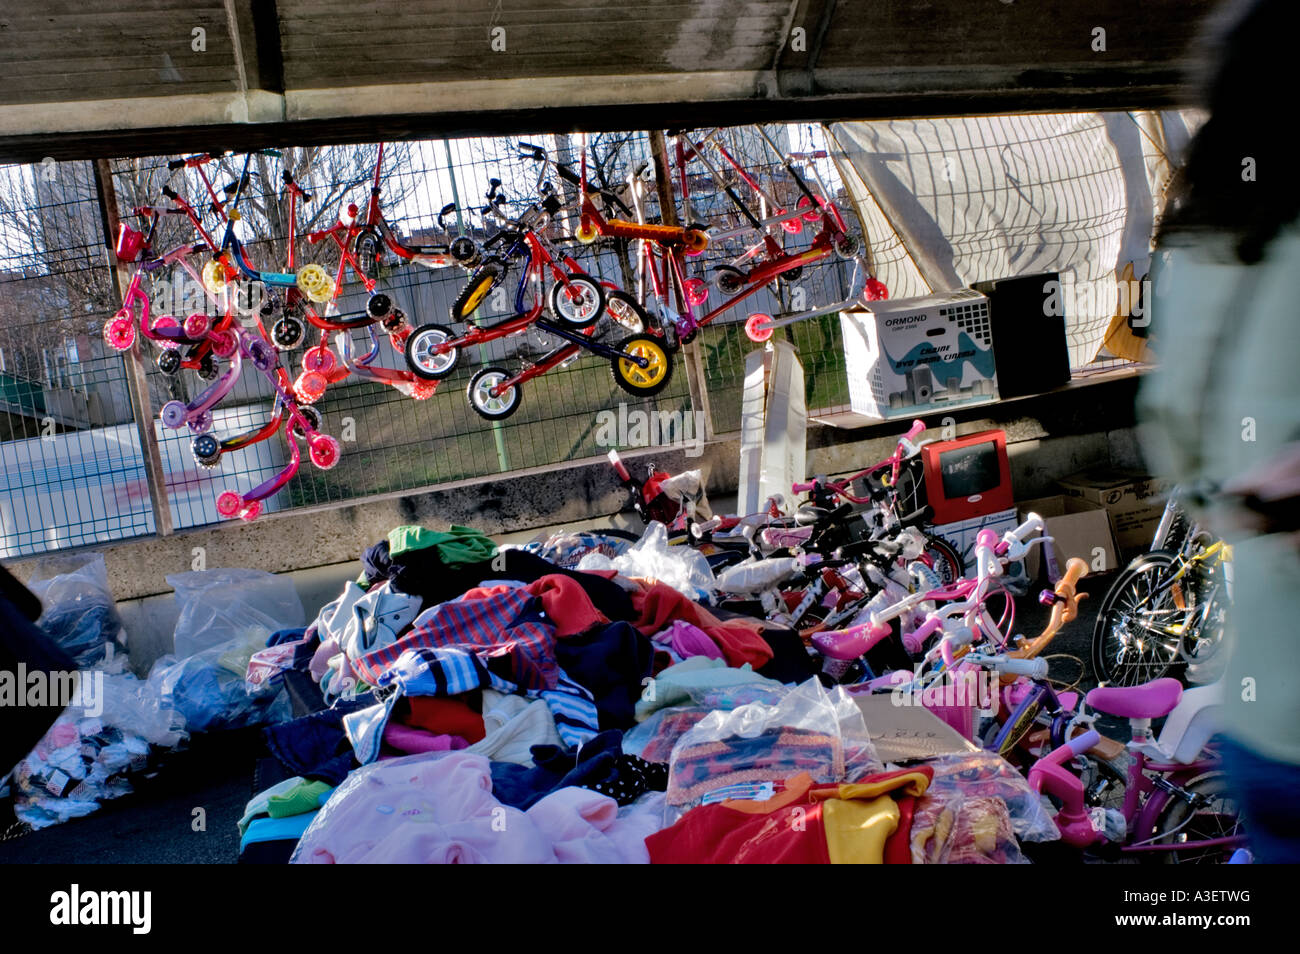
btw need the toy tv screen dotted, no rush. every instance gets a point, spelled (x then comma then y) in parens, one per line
(967, 471)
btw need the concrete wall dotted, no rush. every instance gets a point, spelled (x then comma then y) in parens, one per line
(1048, 437)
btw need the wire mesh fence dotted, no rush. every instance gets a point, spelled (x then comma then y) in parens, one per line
(72, 470)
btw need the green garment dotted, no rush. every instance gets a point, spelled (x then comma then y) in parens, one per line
(455, 546)
(299, 800)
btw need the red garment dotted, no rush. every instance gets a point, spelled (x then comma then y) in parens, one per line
(444, 717)
(786, 829)
(898, 848)
(659, 605)
(763, 833)
(566, 604)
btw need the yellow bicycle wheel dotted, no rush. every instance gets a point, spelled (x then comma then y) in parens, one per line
(315, 283)
(214, 277)
(648, 380)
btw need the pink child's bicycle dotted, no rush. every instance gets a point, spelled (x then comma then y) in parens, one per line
(1175, 805)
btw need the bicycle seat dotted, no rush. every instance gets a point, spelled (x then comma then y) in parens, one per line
(807, 515)
(1151, 701)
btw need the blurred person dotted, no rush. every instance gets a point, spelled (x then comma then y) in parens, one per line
(1223, 408)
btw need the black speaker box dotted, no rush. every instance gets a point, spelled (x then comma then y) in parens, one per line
(1027, 318)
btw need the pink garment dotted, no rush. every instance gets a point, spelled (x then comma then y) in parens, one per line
(686, 640)
(320, 660)
(410, 740)
(438, 808)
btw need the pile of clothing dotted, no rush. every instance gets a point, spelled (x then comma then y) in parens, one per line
(461, 702)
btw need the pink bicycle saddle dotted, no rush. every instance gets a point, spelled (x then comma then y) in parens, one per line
(1150, 701)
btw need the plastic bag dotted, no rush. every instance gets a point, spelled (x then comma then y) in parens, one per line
(988, 775)
(80, 613)
(87, 755)
(685, 569)
(567, 549)
(809, 730)
(951, 829)
(218, 606)
(208, 690)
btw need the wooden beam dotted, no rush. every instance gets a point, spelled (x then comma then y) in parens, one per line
(137, 383)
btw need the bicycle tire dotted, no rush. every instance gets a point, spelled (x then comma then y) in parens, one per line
(486, 277)
(944, 559)
(1113, 634)
(1181, 822)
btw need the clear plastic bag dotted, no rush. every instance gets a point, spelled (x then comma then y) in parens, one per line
(808, 730)
(80, 613)
(988, 775)
(685, 569)
(85, 758)
(952, 829)
(218, 606)
(209, 692)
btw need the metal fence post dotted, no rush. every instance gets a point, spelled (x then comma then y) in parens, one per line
(137, 383)
(668, 215)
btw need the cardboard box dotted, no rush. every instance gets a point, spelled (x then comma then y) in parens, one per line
(1134, 501)
(1079, 528)
(910, 357)
(962, 533)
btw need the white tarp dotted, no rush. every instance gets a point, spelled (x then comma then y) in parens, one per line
(948, 202)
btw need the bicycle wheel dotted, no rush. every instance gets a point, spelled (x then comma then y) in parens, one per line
(578, 302)
(1139, 626)
(485, 278)
(1204, 637)
(944, 560)
(1213, 813)
(626, 311)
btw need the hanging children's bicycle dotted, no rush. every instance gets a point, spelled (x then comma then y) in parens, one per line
(640, 363)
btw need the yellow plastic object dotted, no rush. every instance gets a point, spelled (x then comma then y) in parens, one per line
(214, 277)
(586, 233)
(650, 375)
(315, 283)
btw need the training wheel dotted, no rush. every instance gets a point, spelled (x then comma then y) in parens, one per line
(214, 277)
(224, 343)
(229, 504)
(697, 291)
(324, 451)
(315, 283)
(251, 511)
(173, 414)
(758, 327)
(586, 232)
(875, 290)
(310, 386)
(792, 226)
(119, 333)
(318, 359)
(196, 325)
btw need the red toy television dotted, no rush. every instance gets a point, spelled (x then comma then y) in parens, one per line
(967, 477)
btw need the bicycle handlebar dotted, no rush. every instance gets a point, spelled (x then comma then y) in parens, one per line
(1033, 668)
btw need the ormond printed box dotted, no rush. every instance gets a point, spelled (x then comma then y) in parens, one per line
(917, 356)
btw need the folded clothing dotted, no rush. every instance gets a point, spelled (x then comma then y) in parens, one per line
(408, 741)
(697, 769)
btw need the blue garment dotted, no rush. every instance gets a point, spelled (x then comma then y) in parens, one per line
(611, 662)
(286, 636)
(600, 765)
(315, 746)
(1266, 791)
